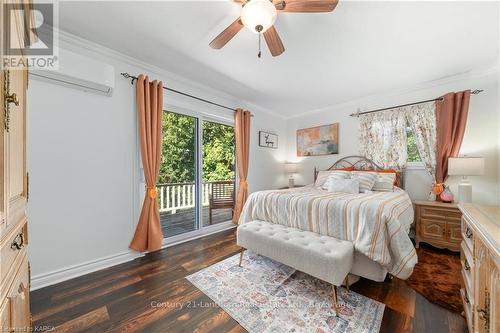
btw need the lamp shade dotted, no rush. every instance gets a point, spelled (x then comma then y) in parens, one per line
(466, 166)
(258, 15)
(291, 167)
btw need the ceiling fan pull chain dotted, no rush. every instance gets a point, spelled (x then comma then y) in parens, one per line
(260, 53)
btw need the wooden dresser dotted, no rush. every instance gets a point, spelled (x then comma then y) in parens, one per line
(480, 259)
(438, 224)
(14, 267)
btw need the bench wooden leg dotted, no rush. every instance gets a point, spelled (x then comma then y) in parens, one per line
(334, 300)
(241, 257)
(346, 281)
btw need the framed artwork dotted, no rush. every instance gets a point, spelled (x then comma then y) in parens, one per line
(268, 140)
(320, 140)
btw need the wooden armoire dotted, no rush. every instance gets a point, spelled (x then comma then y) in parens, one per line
(14, 267)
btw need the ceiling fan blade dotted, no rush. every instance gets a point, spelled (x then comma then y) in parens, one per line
(226, 35)
(307, 6)
(273, 41)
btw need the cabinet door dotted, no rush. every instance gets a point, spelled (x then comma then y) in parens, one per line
(5, 316)
(20, 301)
(454, 231)
(432, 229)
(495, 297)
(14, 179)
(482, 288)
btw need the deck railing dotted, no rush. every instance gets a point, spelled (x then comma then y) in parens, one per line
(177, 196)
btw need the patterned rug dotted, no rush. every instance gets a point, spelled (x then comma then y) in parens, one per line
(437, 277)
(266, 296)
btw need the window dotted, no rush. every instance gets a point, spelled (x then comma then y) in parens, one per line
(411, 146)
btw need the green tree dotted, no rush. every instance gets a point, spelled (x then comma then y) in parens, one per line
(178, 149)
(179, 153)
(411, 146)
(218, 152)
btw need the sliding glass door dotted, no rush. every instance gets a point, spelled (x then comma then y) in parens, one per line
(218, 173)
(178, 178)
(197, 174)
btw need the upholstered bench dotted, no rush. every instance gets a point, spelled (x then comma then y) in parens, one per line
(323, 257)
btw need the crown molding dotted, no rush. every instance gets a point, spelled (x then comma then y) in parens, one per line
(476, 74)
(166, 75)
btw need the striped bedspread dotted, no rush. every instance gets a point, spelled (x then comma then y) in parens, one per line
(377, 223)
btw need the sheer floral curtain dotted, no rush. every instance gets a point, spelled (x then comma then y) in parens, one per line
(422, 120)
(383, 138)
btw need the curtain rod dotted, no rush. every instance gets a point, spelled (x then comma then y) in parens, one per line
(357, 114)
(133, 78)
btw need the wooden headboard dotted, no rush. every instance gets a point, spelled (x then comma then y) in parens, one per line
(360, 163)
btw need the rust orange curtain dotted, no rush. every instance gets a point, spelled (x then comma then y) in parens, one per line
(242, 138)
(149, 96)
(451, 118)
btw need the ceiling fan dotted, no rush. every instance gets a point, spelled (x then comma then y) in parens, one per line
(259, 17)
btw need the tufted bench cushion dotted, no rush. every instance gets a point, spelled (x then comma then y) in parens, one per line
(324, 257)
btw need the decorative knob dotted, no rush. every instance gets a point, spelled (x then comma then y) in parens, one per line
(18, 242)
(12, 98)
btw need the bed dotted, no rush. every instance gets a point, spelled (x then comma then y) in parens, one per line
(377, 223)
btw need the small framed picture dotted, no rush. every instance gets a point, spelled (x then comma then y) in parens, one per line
(268, 140)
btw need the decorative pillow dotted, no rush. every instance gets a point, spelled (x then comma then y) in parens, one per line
(385, 182)
(333, 177)
(323, 176)
(344, 185)
(366, 179)
(397, 174)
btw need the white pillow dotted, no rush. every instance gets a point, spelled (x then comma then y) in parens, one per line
(323, 176)
(366, 179)
(385, 182)
(344, 186)
(333, 177)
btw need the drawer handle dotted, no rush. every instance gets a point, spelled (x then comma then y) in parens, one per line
(18, 242)
(468, 233)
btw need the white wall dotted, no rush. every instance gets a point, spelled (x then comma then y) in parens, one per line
(84, 164)
(481, 136)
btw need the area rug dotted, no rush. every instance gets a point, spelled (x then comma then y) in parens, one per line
(266, 296)
(437, 277)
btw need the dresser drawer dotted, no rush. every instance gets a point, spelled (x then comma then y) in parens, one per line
(440, 213)
(13, 248)
(467, 308)
(467, 235)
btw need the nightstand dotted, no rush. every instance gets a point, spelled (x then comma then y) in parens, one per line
(438, 224)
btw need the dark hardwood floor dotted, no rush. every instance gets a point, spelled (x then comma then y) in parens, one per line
(150, 294)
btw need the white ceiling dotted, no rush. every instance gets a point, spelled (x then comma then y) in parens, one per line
(361, 48)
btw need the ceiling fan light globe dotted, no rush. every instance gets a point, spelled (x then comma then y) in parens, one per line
(258, 15)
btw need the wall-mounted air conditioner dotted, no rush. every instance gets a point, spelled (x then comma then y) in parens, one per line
(81, 73)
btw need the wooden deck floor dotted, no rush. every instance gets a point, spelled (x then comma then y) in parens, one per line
(119, 299)
(184, 220)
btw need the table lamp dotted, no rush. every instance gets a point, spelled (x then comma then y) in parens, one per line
(465, 166)
(290, 169)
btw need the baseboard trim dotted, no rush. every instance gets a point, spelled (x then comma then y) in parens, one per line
(71, 272)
